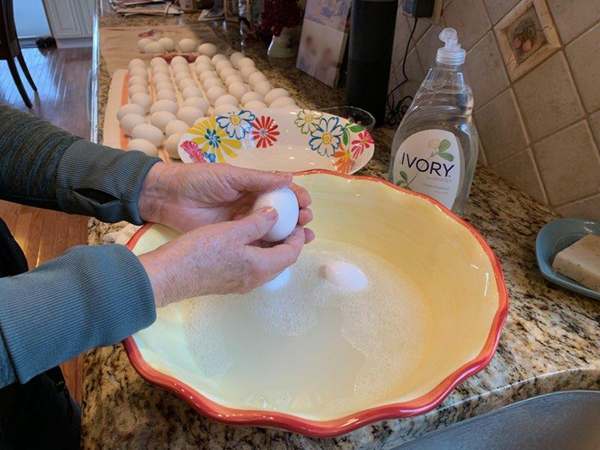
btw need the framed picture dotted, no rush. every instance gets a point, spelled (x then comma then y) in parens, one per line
(324, 38)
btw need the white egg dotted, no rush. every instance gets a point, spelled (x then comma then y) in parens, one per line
(246, 71)
(224, 109)
(263, 87)
(255, 104)
(136, 62)
(139, 72)
(171, 145)
(238, 89)
(197, 102)
(164, 86)
(144, 100)
(160, 69)
(158, 61)
(176, 126)
(178, 60)
(164, 105)
(138, 80)
(203, 59)
(345, 276)
(143, 145)
(274, 94)
(227, 99)
(154, 48)
(235, 58)
(206, 75)
(130, 121)
(187, 45)
(187, 82)
(233, 79)
(227, 72)
(199, 119)
(160, 119)
(181, 68)
(148, 132)
(191, 91)
(212, 82)
(245, 62)
(214, 93)
(201, 68)
(223, 64)
(167, 43)
(279, 281)
(255, 77)
(281, 102)
(130, 108)
(207, 49)
(166, 94)
(189, 114)
(161, 78)
(182, 76)
(218, 57)
(135, 89)
(292, 107)
(142, 44)
(286, 204)
(251, 96)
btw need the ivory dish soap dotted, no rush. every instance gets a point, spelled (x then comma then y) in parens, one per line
(435, 148)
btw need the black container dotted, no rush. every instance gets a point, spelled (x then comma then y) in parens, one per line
(370, 54)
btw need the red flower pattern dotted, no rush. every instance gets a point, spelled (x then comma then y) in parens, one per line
(264, 131)
(358, 145)
(192, 149)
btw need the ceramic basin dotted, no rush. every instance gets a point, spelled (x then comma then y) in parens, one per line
(460, 282)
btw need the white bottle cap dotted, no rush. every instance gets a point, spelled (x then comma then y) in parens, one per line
(451, 53)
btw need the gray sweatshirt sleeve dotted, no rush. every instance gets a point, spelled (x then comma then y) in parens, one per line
(88, 297)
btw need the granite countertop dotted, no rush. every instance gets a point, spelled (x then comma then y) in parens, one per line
(550, 342)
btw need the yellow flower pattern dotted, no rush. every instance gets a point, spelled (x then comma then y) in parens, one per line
(213, 139)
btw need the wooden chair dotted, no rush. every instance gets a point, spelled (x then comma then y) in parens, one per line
(10, 49)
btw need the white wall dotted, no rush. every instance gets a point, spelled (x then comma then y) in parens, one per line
(30, 18)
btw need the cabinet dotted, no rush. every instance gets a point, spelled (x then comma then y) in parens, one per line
(70, 21)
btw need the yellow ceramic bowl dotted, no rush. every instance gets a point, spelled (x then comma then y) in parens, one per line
(458, 275)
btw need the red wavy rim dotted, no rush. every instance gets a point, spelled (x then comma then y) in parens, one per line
(336, 427)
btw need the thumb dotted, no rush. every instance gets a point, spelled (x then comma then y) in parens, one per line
(249, 180)
(256, 225)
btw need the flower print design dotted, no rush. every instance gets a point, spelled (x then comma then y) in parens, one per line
(213, 140)
(326, 138)
(264, 131)
(363, 141)
(342, 160)
(236, 124)
(307, 120)
(192, 149)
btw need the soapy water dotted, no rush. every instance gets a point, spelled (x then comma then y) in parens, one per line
(312, 346)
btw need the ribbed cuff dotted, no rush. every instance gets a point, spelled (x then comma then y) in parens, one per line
(7, 374)
(103, 182)
(88, 297)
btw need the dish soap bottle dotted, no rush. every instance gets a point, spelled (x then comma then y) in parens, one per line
(435, 148)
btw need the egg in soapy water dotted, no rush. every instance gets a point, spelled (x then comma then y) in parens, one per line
(142, 145)
(345, 275)
(286, 204)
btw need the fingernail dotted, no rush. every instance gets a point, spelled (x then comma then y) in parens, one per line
(270, 212)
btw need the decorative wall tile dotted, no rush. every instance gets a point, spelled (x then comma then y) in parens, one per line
(415, 77)
(500, 128)
(428, 45)
(469, 19)
(520, 171)
(401, 33)
(569, 164)
(485, 70)
(547, 98)
(584, 57)
(526, 37)
(574, 16)
(595, 125)
(498, 8)
(583, 209)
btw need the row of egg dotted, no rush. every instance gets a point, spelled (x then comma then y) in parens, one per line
(166, 44)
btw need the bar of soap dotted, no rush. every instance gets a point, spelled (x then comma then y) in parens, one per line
(581, 262)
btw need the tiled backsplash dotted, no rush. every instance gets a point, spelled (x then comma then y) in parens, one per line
(539, 125)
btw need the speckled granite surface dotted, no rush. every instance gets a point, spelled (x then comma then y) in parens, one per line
(551, 340)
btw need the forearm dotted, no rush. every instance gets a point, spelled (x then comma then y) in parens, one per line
(42, 165)
(88, 297)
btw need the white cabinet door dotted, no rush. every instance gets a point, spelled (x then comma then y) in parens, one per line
(87, 15)
(64, 18)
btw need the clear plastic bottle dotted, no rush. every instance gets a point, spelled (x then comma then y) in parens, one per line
(435, 148)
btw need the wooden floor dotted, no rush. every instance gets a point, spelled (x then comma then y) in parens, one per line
(61, 79)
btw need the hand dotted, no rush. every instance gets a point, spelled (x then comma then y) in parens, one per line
(220, 259)
(187, 196)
